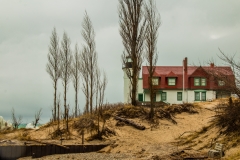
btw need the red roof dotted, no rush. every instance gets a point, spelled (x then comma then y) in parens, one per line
(163, 72)
(178, 70)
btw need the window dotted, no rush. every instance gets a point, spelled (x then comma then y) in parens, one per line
(140, 97)
(164, 96)
(200, 96)
(155, 81)
(171, 81)
(200, 82)
(197, 96)
(221, 83)
(179, 96)
(203, 81)
(203, 96)
(196, 81)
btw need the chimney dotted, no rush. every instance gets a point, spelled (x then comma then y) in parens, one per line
(211, 65)
(185, 65)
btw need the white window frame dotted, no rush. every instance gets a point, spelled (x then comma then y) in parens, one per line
(155, 81)
(172, 83)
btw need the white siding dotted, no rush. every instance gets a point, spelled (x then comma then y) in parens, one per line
(190, 96)
(126, 87)
(187, 95)
(147, 97)
(172, 96)
(140, 85)
(211, 95)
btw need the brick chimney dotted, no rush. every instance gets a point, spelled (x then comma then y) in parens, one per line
(185, 65)
(211, 65)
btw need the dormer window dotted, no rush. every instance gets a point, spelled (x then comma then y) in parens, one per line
(221, 83)
(171, 81)
(200, 82)
(203, 81)
(155, 81)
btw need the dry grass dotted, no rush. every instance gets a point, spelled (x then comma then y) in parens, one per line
(24, 136)
(234, 156)
(228, 120)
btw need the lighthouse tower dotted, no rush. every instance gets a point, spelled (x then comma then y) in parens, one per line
(127, 69)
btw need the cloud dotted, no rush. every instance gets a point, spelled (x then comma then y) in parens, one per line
(193, 29)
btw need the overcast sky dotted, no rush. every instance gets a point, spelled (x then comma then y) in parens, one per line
(193, 29)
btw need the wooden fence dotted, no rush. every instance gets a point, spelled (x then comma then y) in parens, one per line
(37, 151)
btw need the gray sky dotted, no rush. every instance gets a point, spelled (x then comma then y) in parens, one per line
(193, 29)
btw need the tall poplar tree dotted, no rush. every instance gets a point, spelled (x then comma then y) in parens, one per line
(132, 30)
(53, 66)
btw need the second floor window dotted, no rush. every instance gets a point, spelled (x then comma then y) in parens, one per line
(155, 81)
(200, 82)
(171, 81)
(221, 83)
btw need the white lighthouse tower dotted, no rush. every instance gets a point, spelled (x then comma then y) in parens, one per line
(127, 69)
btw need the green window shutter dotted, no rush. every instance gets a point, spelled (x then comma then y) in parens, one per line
(171, 81)
(164, 96)
(203, 96)
(179, 96)
(140, 97)
(197, 96)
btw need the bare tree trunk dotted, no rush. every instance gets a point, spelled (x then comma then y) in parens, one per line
(97, 92)
(101, 91)
(84, 72)
(132, 30)
(37, 118)
(53, 66)
(55, 101)
(153, 23)
(66, 62)
(76, 68)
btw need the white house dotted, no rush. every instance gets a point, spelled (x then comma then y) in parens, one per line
(179, 84)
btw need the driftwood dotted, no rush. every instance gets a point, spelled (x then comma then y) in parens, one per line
(138, 126)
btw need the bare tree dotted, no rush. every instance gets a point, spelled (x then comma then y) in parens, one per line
(53, 66)
(102, 87)
(100, 94)
(85, 76)
(153, 24)
(91, 59)
(58, 113)
(37, 118)
(66, 62)
(76, 67)
(229, 84)
(132, 30)
(16, 121)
